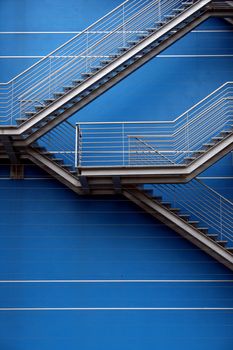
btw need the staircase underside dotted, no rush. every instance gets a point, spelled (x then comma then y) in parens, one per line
(103, 80)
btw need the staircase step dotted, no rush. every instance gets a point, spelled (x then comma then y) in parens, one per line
(68, 88)
(67, 166)
(132, 42)
(169, 16)
(58, 160)
(226, 132)
(142, 36)
(184, 216)
(222, 243)
(187, 3)
(203, 229)
(158, 198)
(178, 9)
(217, 138)
(175, 210)
(166, 204)
(49, 100)
(208, 145)
(21, 120)
(212, 236)
(96, 68)
(77, 81)
(29, 114)
(39, 107)
(114, 55)
(189, 159)
(193, 222)
(123, 48)
(105, 62)
(86, 74)
(230, 250)
(151, 29)
(41, 149)
(201, 151)
(160, 23)
(58, 94)
(148, 191)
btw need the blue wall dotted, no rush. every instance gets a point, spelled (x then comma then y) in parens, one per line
(49, 233)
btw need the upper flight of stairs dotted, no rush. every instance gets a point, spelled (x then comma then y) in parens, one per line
(50, 91)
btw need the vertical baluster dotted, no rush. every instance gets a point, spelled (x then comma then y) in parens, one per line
(12, 101)
(50, 72)
(123, 143)
(159, 10)
(77, 147)
(123, 25)
(87, 51)
(187, 135)
(220, 215)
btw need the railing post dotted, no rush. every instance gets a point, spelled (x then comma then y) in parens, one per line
(77, 147)
(50, 73)
(12, 101)
(123, 24)
(123, 143)
(87, 51)
(220, 205)
(187, 134)
(159, 9)
(129, 151)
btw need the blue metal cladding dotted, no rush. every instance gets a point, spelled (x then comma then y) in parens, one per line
(49, 233)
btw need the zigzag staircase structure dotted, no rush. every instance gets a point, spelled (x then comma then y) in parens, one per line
(36, 104)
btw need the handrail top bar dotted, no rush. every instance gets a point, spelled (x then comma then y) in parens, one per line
(67, 42)
(161, 121)
(125, 122)
(212, 190)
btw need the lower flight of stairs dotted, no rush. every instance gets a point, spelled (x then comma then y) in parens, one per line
(181, 223)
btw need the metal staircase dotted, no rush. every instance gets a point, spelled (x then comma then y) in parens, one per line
(195, 211)
(78, 71)
(105, 158)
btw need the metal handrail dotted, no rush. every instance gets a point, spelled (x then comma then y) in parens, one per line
(59, 143)
(79, 54)
(202, 203)
(178, 139)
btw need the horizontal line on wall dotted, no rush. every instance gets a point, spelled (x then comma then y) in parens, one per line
(99, 32)
(116, 281)
(215, 177)
(106, 56)
(116, 309)
(199, 177)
